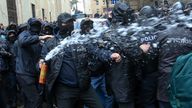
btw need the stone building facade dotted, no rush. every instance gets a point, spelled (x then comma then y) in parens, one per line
(19, 11)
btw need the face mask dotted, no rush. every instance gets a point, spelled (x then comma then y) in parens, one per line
(66, 28)
(35, 27)
(12, 38)
(48, 31)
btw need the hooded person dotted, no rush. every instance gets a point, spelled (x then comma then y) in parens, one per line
(147, 66)
(47, 29)
(65, 24)
(22, 27)
(12, 36)
(86, 25)
(68, 77)
(10, 76)
(28, 54)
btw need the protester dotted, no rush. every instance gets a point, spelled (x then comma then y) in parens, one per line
(128, 63)
(98, 69)
(28, 54)
(68, 77)
(4, 69)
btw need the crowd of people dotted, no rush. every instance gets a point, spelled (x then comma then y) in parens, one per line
(123, 68)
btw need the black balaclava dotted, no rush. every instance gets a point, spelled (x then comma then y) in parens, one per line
(65, 24)
(122, 13)
(34, 25)
(22, 27)
(12, 36)
(12, 26)
(86, 25)
(47, 29)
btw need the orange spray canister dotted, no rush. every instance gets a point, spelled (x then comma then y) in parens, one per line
(43, 73)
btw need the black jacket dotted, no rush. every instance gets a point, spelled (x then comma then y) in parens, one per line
(173, 42)
(28, 54)
(80, 55)
(149, 61)
(5, 54)
(120, 76)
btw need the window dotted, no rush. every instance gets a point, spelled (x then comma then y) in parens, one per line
(97, 10)
(156, 4)
(43, 14)
(12, 11)
(97, 2)
(33, 10)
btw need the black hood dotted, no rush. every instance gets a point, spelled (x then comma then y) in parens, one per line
(34, 25)
(47, 29)
(65, 24)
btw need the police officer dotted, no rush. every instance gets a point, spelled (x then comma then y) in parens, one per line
(47, 29)
(120, 76)
(147, 81)
(28, 54)
(171, 45)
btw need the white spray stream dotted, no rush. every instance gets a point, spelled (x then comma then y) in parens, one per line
(76, 38)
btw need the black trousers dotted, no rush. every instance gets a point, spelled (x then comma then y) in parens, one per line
(67, 97)
(10, 89)
(2, 100)
(164, 104)
(148, 91)
(126, 105)
(31, 91)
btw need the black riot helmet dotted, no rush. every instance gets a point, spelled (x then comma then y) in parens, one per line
(122, 12)
(188, 9)
(148, 12)
(176, 7)
(65, 23)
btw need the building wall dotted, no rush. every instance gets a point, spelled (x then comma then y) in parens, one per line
(65, 6)
(3, 12)
(88, 7)
(100, 8)
(52, 8)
